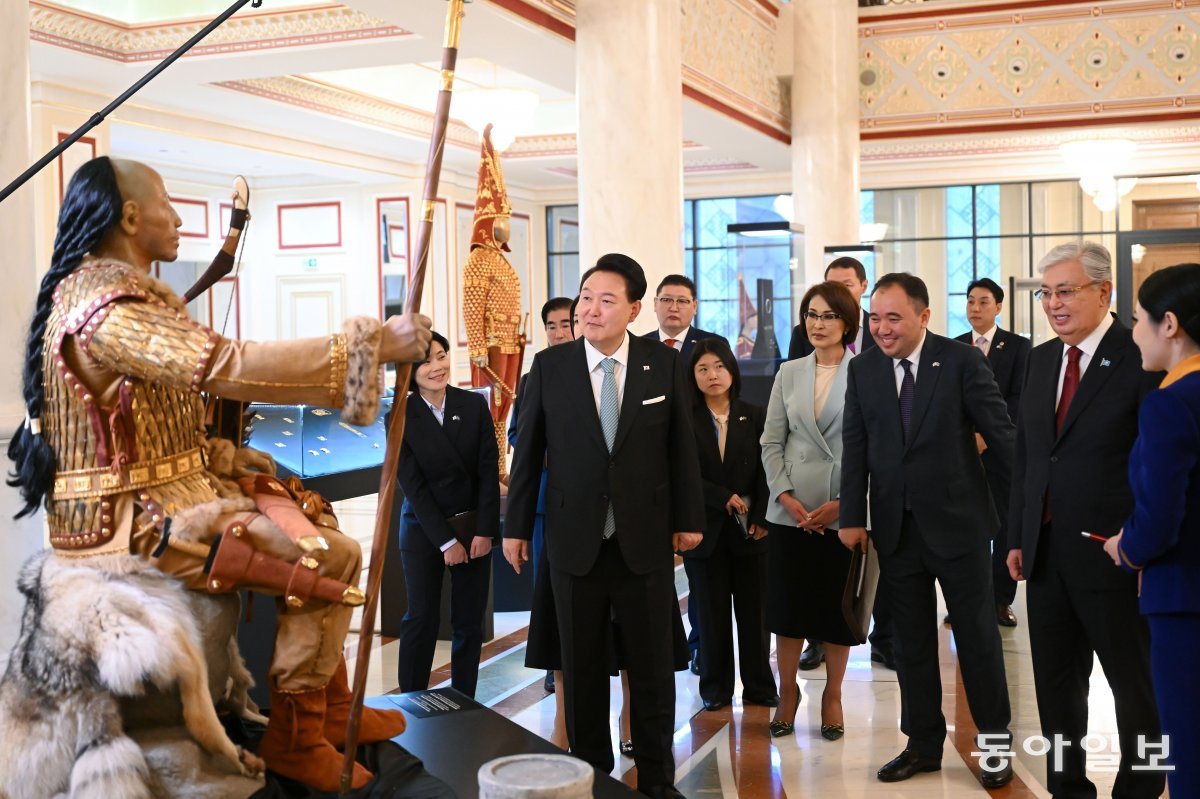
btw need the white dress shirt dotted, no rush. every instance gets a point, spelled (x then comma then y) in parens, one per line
(914, 359)
(439, 412)
(679, 339)
(990, 336)
(1089, 346)
(596, 374)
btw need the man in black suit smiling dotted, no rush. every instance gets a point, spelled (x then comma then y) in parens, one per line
(913, 405)
(1006, 354)
(611, 416)
(1078, 422)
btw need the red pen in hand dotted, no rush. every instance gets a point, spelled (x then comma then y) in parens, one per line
(1094, 537)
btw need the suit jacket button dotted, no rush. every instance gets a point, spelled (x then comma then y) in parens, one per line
(1054, 459)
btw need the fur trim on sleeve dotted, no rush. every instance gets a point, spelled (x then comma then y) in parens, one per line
(363, 336)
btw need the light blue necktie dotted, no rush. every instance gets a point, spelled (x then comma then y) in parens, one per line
(610, 411)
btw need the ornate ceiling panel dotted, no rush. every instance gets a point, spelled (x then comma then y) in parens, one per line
(988, 67)
(322, 23)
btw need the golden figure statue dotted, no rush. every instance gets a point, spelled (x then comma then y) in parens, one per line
(492, 296)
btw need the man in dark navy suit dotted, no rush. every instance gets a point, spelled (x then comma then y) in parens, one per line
(675, 305)
(610, 415)
(1006, 354)
(913, 406)
(1077, 425)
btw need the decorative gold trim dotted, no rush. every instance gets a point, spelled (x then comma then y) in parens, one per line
(103, 481)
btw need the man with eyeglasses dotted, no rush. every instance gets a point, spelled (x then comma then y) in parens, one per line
(1077, 423)
(1006, 354)
(675, 306)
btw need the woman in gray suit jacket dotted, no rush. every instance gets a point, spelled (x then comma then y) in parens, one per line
(802, 455)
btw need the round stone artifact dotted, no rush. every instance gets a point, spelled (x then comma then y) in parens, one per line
(535, 777)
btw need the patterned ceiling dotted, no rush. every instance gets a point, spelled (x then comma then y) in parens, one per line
(1061, 63)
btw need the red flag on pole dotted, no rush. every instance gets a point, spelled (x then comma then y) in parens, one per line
(746, 311)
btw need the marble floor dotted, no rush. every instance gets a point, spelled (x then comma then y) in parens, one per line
(730, 752)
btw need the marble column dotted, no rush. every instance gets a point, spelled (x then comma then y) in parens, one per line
(825, 127)
(630, 109)
(20, 538)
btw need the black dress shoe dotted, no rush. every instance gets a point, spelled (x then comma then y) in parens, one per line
(1005, 616)
(765, 701)
(997, 779)
(907, 764)
(812, 656)
(715, 704)
(661, 792)
(884, 657)
(548, 683)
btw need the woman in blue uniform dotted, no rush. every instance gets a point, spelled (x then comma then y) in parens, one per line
(1161, 540)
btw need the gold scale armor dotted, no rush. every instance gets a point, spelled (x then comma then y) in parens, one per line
(123, 370)
(492, 297)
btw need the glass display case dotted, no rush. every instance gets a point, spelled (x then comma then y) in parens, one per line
(333, 457)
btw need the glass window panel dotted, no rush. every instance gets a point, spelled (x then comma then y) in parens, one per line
(714, 216)
(915, 213)
(1012, 208)
(562, 229)
(563, 273)
(987, 258)
(960, 265)
(1062, 207)
(926, 260)
(866, 207)
(688, 216)
(959, 211)
(716, 285)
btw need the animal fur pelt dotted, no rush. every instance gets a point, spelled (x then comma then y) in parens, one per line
(92, 632)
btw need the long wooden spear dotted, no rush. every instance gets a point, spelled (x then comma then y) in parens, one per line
(395, 435)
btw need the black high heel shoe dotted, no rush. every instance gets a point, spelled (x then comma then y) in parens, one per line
(625, 746)
(782, 729)
(831, 732)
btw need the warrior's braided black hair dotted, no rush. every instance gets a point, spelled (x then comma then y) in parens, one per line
(91, 207)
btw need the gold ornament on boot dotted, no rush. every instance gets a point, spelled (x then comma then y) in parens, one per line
(376, 725)
(294, 745)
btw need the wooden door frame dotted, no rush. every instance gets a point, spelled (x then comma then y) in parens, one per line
(1125, 241)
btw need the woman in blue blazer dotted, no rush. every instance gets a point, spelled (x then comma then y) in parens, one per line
(448, 466)
(802, 454)
(1161, 540)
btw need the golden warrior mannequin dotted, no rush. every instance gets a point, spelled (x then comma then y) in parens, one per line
(115, 444)
(492, 296)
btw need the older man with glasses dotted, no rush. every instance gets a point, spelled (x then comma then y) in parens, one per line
(1070, 490)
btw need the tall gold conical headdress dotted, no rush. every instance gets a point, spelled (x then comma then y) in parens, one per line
(491, 198)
